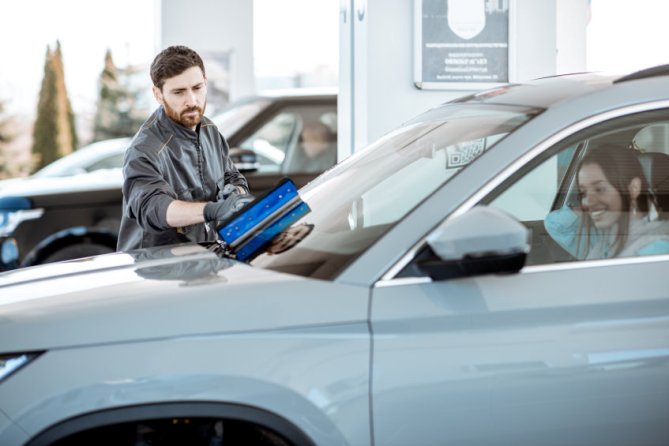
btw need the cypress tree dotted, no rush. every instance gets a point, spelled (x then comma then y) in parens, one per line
(117, 113)
(54, 132)
(69, 134)
(106, 113)
(6, 136)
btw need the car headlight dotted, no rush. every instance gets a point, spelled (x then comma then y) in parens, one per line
(11, 362)
(13, 211)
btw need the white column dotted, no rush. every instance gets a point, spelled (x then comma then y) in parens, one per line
(214, 27)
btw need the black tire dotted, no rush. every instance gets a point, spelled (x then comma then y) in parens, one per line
(77, 251)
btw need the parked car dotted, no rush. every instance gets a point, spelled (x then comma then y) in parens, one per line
(107, 154)
(420, 300)
(55, 215)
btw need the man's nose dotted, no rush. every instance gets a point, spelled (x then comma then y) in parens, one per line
(191, 98)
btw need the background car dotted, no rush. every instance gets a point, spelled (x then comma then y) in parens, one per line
(56, 215)
(420, 301)
(107, 154)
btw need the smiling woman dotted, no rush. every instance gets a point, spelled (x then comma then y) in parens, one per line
(614, 218)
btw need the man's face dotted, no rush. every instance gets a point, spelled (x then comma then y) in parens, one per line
(184, 97)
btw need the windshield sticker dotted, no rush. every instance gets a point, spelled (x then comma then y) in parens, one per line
(461, 154)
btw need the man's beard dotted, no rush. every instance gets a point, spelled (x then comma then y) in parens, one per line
(180, 118)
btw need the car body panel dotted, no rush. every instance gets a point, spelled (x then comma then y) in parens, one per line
(255, 369)
(10, 432)
(256, 331)
(523, 357)
(222, 301)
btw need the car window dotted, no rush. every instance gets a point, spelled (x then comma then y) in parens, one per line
(98, 155)
(357, 201)
(270, 141)
(110, 162)
(238, 114)
(600, 194)
(296, 139)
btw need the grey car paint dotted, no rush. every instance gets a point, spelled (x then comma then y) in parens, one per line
(245, 339)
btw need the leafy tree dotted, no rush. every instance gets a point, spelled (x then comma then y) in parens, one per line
(54, 133)
(117, 113)
(6, 136)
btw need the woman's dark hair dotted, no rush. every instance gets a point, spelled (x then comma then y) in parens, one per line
(172, 61)
(620, 166)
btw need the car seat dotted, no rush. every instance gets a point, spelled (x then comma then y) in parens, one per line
(656, 168)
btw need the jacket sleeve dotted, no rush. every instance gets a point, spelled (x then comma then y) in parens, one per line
(147, 194)
(232, 174)
(563, 225)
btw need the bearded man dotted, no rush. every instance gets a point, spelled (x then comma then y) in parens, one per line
(178, 177)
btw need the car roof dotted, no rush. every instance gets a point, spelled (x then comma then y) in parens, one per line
(296, 94)
(542, 92)
(547, 92)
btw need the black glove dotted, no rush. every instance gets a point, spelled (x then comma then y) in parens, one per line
(226, 191)
(222, 209)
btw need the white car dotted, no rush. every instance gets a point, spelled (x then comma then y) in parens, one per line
(421, 297)
(101, 155)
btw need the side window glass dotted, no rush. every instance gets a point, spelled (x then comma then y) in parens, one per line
(601, 194)
(316, 148)
(271, 141)
(111, 162)
(298, 139)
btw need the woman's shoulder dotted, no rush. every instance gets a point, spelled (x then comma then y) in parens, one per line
(653, 238)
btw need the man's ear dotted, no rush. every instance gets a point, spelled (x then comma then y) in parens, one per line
(157, 94)
(634, 188)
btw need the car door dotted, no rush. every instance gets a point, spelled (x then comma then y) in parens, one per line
(564, 352)
(278, 142)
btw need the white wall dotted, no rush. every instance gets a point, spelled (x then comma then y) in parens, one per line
(213, 25)
(377, 91)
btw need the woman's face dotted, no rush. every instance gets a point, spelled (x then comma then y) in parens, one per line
(599, 199)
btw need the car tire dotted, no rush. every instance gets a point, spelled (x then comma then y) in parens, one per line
(77, 251)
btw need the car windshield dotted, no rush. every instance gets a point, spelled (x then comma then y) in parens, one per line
(238, 114)
(356, 202)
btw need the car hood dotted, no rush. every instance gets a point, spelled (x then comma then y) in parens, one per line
(29, 186)
(182, 290)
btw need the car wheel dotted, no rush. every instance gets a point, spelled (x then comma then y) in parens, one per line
(177, 431)
(77, 251)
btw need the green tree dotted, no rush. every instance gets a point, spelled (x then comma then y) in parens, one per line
(54, 133)
(117, 113)
(6, 136)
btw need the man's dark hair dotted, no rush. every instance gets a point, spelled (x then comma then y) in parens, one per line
(172, 61)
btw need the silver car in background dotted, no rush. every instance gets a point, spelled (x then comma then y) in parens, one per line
(420, 301)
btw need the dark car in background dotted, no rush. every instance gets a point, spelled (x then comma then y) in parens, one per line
(69, 214)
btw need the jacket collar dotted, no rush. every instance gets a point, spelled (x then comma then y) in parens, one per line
(177, 129)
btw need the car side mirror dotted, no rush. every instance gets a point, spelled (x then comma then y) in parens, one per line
(245, 160)
(481, 241)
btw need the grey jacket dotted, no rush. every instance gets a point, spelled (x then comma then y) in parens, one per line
(164, 162)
